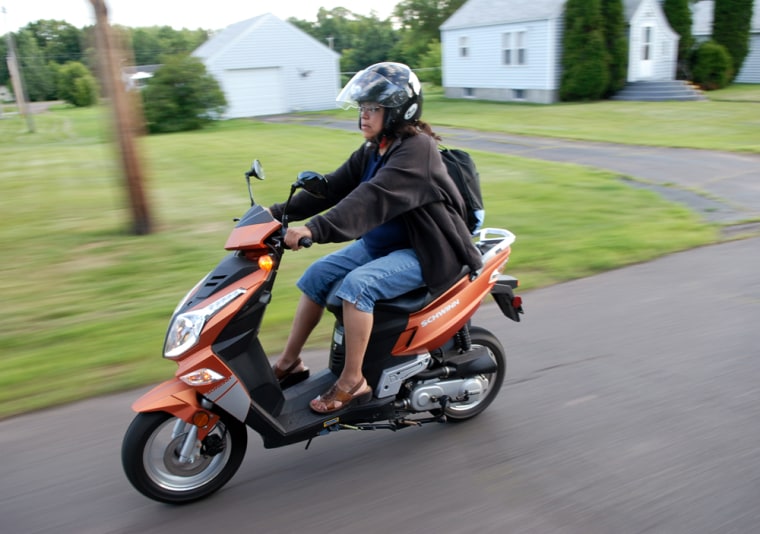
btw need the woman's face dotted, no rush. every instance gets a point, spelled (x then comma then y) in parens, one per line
(371, 116)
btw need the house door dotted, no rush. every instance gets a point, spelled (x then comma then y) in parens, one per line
(647, 52)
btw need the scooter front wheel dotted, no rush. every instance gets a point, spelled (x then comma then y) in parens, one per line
(164, 461)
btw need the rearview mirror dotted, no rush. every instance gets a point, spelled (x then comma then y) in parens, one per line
(313, 183)
(257, 170)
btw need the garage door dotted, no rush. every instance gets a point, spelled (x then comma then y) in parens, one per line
(252, 92)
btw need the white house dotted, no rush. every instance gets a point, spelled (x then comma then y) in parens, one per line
(267, 66)
(512, 49)
(5, 94)
(702, 20)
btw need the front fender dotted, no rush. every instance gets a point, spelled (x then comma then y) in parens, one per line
(177, 398)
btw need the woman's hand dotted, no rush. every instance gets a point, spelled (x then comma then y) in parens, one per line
(294, 235)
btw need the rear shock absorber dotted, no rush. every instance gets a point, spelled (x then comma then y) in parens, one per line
(463, 339)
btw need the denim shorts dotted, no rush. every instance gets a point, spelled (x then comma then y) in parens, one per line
(353, 275)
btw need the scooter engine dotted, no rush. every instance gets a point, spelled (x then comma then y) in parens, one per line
(427, 395)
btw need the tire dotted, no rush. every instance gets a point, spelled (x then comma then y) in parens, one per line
(463, 411)
(150, 458)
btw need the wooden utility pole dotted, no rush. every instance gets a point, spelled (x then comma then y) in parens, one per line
(18, 83)
(124, 118)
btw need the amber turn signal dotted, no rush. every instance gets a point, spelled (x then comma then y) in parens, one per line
(266, 263)
(201, 419)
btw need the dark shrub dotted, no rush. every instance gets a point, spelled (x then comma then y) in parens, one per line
(712, 67)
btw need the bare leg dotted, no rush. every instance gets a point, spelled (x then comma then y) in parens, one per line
(351, 385)
(358, 327)
(308, 314)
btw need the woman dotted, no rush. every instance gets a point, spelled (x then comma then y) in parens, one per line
(394, 196)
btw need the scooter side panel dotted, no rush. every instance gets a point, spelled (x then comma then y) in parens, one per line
(432, 326)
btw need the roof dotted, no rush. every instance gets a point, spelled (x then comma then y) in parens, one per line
(488, 12)
(220, 40)
(229, 35)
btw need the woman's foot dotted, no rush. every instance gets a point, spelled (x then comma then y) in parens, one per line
(296, 372)
(336, 398)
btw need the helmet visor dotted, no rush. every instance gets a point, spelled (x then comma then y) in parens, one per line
(371, 86)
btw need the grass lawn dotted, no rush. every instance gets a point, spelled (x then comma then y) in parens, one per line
(85, 305)
(729, 120)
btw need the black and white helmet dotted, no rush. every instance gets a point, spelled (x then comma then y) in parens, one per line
(392, 85)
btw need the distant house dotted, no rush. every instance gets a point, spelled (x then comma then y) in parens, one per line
(5, 94)
(512, 49)
(267, 66)
(702, 21)
(134, 77)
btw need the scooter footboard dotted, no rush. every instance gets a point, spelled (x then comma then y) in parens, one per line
(180, 400)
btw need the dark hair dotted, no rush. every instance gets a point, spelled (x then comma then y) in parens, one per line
(410, 129)
(419, 126)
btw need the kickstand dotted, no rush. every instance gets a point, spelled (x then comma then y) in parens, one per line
(444, 401)
(308, 443)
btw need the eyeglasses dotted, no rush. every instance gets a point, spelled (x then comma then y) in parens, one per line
(370, 110)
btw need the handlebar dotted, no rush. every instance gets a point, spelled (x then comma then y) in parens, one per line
(305, 242)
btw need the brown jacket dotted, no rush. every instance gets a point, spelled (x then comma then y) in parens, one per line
(413, 184)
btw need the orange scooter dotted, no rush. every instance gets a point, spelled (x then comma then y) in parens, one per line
(425, 362)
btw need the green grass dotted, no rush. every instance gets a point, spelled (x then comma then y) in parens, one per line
(729, 120)
(85, 305)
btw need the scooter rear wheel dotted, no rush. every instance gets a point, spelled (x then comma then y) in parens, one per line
(151, 456)
(462, 411)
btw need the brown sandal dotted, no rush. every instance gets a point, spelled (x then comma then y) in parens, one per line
(290, 377)
(336, 399)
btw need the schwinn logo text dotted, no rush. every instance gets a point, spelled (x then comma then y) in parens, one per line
(440, 313)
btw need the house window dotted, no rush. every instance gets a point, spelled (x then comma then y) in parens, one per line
(522, 53)
(464, 50)
(519, 94)
(513, 48)
(469, 92)
(646, 43)
(506, 45)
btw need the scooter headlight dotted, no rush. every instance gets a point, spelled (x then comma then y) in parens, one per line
(185, 330)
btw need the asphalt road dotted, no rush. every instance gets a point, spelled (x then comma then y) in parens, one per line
(631, 406)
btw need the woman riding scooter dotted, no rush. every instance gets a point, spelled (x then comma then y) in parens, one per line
(392, 196)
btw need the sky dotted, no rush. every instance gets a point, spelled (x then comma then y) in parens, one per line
(191, 14)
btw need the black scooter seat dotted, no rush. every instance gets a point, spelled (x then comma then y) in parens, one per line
(408, 303)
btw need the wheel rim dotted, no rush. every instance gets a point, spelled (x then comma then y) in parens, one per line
(162, 465)
(463, 410)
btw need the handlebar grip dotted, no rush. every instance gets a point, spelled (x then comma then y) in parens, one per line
(305, 242)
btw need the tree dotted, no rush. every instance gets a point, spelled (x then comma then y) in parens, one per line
(333, 27)
(616, 38)
(678, 14)
(430, 64)
(731, 23)
(150, 43)
(182, 96)
(58, 40)
(39, 78)
(5, 76)
(372, 42)
(585, 75)
(420, 21)
(76, 85)
(360, 40)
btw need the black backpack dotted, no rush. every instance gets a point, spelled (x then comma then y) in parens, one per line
(462, 170)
